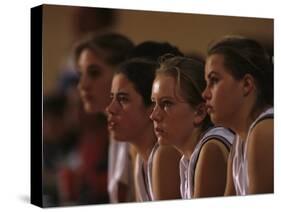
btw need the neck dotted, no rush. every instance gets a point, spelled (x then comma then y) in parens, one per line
(189, 145)
(145, 142)
(243, 120)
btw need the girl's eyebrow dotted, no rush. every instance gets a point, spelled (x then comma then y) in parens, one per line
(94, 66)
(118, 94)
(122, 94)
(163, 98)
(90, 66)
(166, 97)
(211, 73)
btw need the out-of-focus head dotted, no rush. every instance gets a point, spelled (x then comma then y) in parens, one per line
(96, 57)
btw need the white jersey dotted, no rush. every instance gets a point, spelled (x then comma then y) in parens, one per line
(141, 181)
(187, 166)
(143, 178)
(149, 170)
(239, 165)
(119, 170)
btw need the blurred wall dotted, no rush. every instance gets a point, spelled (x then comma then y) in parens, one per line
(190, 32)
(57, 40)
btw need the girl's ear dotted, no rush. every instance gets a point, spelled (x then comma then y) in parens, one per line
(248, 84)
(200, 114)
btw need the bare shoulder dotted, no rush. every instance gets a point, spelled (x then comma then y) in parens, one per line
(260, 157)
(165, 173)
(211, 155)
(166, 157)
(260, 141)
(211, 169)
(164, 153)
(262, 132)
(214, 147)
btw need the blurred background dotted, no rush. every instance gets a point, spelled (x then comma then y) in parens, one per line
(63, 25)
(69, 155)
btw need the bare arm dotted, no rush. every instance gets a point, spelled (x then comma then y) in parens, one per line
(165, 173)
(211, 169)
(230, 189)
(260, 158)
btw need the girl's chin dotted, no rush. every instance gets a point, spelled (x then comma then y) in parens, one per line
(216, 120)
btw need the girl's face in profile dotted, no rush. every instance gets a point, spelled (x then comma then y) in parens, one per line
(172, 116)
(95, 81)
(223, 94)
(128, 118)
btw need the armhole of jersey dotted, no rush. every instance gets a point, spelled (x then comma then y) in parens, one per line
(225, 142)
(218, 137)
(268, 116)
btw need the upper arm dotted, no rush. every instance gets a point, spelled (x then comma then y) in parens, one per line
(165, 173)
(260, 158)
(229, 189)
(211, 169)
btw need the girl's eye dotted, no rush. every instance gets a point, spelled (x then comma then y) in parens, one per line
(93, 71)
(213, 80)
(166, 104)
(122, 99)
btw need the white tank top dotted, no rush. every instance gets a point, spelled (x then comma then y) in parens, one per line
(119, 170)
(143, 177)
(187, 167)
(239, 165)
(141, 181)
(149, 170)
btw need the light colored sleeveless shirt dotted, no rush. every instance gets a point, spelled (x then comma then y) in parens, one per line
(149, 170)
(119, 170)
(141, 181)
(239, 165)
(187, 166)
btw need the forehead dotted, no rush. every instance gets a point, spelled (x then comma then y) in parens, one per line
(88, 56)
(121, 83)
(214, 62)
(164, 85)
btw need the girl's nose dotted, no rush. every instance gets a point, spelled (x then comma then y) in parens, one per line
(112, 108)
(83, 83)
(155, 115)
(206, 94)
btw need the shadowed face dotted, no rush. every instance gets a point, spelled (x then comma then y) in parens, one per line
(223, 94)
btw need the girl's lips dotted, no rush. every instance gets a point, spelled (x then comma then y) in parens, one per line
(87, 97)
(158, 131)
(111, 125)
(209, 109)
